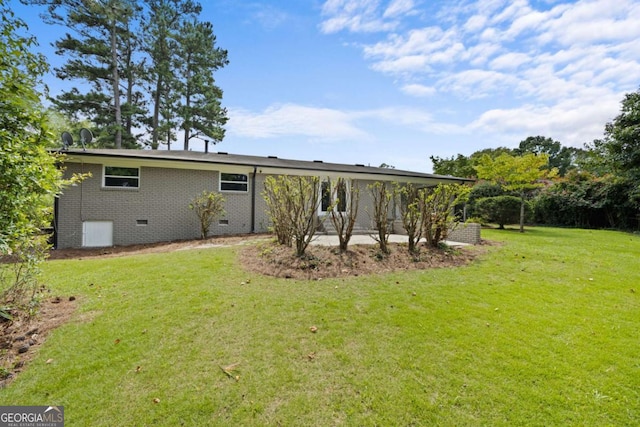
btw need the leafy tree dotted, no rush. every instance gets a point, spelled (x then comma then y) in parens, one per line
(59, 123)
(499, 209)
(620, 147)
(559, 157)
(30, 177)
(520, 174)
(621, 144)
(208, 206)
(200, 111)
(463, 166)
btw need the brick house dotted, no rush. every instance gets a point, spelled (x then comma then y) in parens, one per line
(142, 196)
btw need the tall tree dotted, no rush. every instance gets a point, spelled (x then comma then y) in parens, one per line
(101, 52)
(460, 166)
(463, 166)
(166, 18)
(559, 157)
(620, 147)
(520, 174)
(200, 111)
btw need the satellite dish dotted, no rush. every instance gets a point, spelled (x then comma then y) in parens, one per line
(85, 137)
(67, 140)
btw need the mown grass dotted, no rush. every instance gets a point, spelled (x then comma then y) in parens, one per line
(543, 329)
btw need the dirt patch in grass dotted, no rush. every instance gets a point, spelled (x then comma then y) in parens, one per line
(21, 338)
(326, 261)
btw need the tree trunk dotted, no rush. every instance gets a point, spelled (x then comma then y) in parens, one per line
(116, 84)
(156, 114)
(522, 212)
(187, 124)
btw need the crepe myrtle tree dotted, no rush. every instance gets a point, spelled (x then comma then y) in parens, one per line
(208, 206)
(344, 210)
(277, 204)
(382, 196)
(411, 200)
(519, 174)
(292, 207)
(438, 217)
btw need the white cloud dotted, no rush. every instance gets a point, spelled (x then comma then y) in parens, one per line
(331, 125)
(398, 7)
(476, 83)
(418, 90)
(405, 64)
(589, 22)
(509, 61)
(531, 50)
(297, 120)
(475, 23)
(416, 52)
(572, 122)
(481, 53)
(361, 15)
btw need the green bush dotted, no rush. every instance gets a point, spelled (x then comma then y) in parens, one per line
(500, 209)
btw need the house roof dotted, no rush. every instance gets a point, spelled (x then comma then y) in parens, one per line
(270, 164)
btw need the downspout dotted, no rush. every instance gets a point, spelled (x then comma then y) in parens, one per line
(56, 212)
(253, 200)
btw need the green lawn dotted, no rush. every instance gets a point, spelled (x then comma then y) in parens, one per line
(543, 329)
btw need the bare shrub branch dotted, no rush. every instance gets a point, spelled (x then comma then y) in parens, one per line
(382, 197)
(345, 210)
(292, 203)
(438, 216)
(208, 206)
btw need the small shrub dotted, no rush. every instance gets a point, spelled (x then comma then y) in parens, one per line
(208, 206)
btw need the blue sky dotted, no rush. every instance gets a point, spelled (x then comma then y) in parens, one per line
(395, 81)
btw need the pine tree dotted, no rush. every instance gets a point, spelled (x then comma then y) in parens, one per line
(166, 17)
(200, 111)
(101, 52)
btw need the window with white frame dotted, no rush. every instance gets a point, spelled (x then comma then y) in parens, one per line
(237, 182)
(121, 177)
(334, 192)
